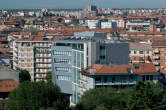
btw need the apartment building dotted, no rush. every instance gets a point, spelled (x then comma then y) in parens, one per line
(159, 55)
(142, 35)
(117, 76)
(136, 26)
(32, 53)
(71, 55)
(93, 24)
(109, 24)
(140, 53)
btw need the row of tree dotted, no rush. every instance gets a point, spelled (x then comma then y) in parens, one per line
(143, 96)
(45, 95)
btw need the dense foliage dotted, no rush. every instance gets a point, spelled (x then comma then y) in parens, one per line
(49, 76)
(143, 96)
(47, 96)
(36, 96)
(24, 76)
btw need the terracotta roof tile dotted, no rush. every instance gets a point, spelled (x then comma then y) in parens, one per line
(140, 46)
(144, 68)
(8, 85)
(159, 42)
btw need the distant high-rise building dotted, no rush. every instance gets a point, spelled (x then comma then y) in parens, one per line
(92, 8)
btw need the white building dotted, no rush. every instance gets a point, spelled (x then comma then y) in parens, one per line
(92, 24)
(109, 24)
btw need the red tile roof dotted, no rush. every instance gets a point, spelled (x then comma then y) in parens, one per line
(159, 42)
(8, 85)
(144, 68)
(140, 46)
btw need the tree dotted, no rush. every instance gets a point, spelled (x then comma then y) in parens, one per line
(142, 96)
(36, 96)
(49, 76)
(102, 98)
(147, 96)
(24, 76)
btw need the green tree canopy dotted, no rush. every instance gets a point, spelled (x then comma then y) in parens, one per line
(102, 98)
(147, 96)
(36, 96)
(142, 96)
(49, 76)
(24, 76)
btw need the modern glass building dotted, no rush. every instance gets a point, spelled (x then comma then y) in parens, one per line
(71, 55)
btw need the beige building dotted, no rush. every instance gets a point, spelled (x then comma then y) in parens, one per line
(140, 53)
(33, 54)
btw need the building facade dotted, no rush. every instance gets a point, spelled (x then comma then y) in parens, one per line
(72, 54)
(159, 55)
(117, 76)
(34, 55)
(140, 53)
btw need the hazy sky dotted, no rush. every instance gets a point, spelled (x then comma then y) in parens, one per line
(82, 3)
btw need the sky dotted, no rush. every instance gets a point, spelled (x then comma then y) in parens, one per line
(19, 4)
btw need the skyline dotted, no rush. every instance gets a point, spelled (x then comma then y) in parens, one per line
(24, 4)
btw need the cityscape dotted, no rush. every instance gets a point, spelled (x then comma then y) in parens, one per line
(82, 58)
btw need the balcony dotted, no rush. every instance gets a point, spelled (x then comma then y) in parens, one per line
(156, 57)
(43, 56)
(43, 62)
(156, 51)
(117, 83)
(156, 63)
(40, 67)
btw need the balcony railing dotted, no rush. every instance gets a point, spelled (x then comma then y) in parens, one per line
(46, 56)
(43, 67)
(156, 51)
(156, 57)
(156, 63)
(43, 62)
(116, 83)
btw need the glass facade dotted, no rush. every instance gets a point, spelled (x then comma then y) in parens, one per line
(62, 52)
(62, 61)
(78, 64)
(64, 69)
(63, 77)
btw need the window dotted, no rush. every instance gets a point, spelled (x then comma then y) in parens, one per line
(64, 69)
(147, 77)
(143, 78)
(141, 52)
(105, 79)
(102, 57)
(63, 77)
(98, 80)
(62, 61)
(113, 79)
(62, 52)
(151, 77)
(131, 77)
(102, 47)
(141, 59)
